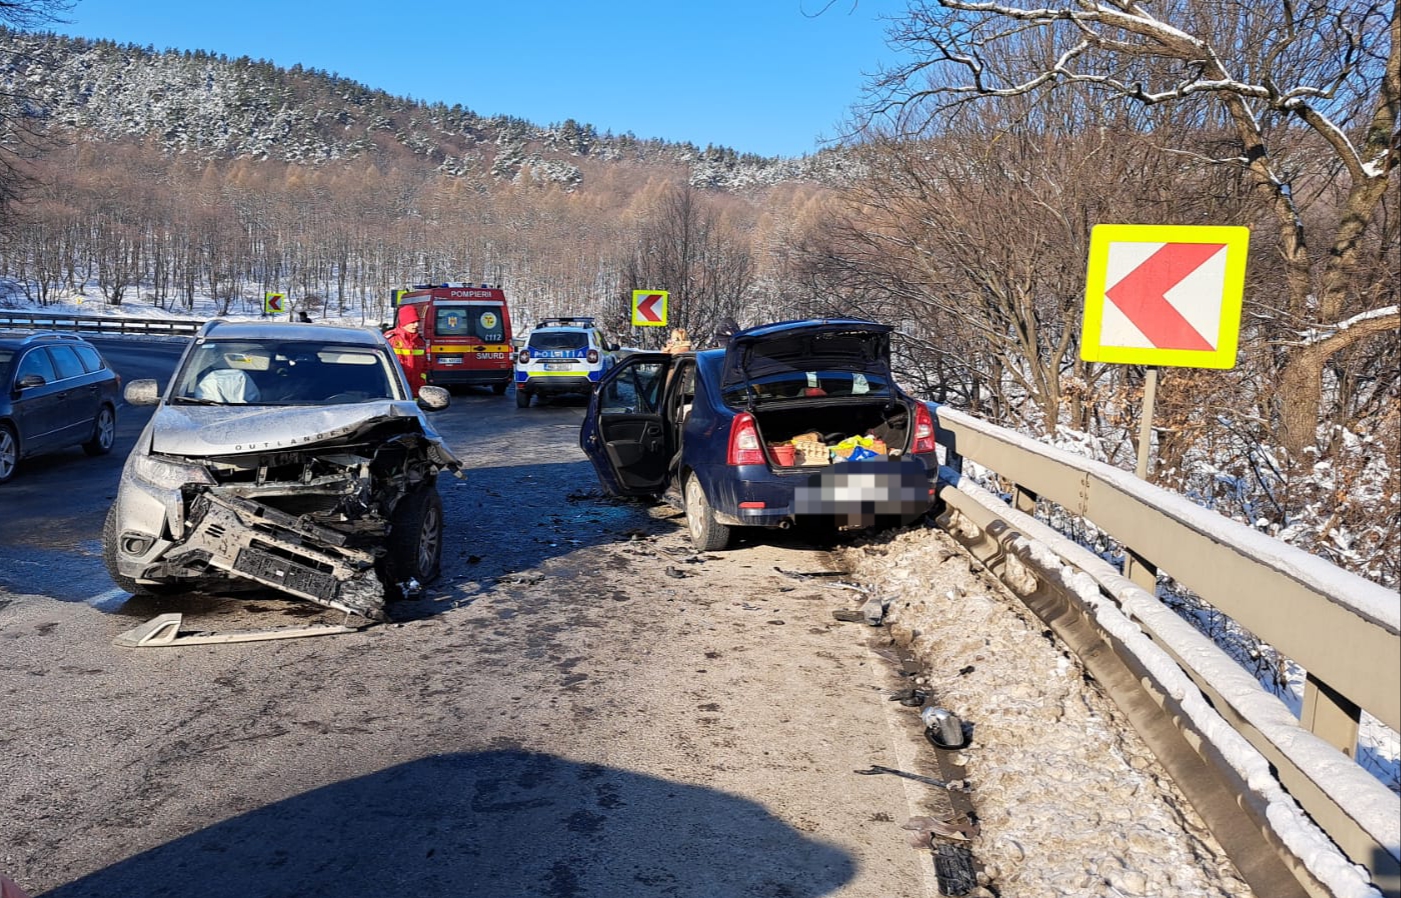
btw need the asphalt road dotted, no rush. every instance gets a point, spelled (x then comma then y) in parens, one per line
(581, 706)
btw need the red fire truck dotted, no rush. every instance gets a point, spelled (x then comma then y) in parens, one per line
(466, 331)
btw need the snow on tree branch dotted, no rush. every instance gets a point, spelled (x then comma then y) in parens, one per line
(1373, 319)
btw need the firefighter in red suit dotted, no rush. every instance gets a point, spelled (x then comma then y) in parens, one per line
(410, 347)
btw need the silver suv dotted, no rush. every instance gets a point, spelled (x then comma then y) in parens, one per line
(289, 456)
(561, 356)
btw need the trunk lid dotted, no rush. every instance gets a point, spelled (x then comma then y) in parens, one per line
(837, 344)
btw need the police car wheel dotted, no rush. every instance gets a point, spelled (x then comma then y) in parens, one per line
(522, 397)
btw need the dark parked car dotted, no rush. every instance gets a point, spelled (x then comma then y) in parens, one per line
(55, 392)
(790, 422)
(290, 456)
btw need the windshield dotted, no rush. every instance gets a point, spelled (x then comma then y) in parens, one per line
(235, 372)
(486, 322)
(805, 385)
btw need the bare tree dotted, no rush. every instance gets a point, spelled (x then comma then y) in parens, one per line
(1309, 95)
(686, 246)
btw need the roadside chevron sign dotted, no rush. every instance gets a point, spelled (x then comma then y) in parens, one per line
(274, 303)
(1164, 295)
(649, 308)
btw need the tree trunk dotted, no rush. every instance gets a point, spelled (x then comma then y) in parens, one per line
(1300, 397)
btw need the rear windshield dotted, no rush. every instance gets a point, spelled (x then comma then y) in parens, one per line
(807, 385)
(556, 340)
(486, 322)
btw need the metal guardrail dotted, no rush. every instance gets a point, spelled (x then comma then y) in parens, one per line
(1235, 748)
(100, 324)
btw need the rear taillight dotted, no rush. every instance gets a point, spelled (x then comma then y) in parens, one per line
(525, 357)
(745, 448)
(924, 429)
(593, 356)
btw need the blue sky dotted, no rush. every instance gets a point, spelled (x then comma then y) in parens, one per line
(772, 77)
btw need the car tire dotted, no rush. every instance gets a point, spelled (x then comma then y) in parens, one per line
(707, 534)
(499, 389)
(415, 541)
(9, 452)
(104, 432)
(522, 397)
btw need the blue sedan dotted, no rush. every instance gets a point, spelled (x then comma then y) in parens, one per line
(792, 421)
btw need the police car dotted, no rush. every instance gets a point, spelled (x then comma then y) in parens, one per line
(562, 356)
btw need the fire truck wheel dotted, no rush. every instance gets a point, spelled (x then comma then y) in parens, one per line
(499, 389)
(522, 397)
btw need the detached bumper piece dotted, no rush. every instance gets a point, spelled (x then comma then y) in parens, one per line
(164, 630)
(255, 542)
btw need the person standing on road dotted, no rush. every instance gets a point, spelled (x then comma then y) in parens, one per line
(410, 347)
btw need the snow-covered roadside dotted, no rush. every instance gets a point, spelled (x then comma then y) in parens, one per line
(1070, 800)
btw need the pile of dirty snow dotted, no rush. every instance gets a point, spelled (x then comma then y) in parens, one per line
(1070, 800)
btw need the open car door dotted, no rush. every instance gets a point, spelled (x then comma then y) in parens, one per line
(624, 431)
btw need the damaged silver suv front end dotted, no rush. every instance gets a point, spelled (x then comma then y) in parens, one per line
(280, 475)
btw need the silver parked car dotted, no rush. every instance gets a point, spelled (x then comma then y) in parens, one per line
(291, 456)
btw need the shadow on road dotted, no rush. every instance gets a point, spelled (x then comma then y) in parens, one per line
(500, 824)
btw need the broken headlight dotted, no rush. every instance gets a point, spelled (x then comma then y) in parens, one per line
(165, 474)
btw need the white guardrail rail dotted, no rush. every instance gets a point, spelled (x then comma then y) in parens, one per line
(1284, 796)
(99, 324)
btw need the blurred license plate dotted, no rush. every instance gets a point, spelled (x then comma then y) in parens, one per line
(559, 366)
(876, 487)
(449, 360)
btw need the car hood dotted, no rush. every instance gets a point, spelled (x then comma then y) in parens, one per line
(202, 431)
(845, 344)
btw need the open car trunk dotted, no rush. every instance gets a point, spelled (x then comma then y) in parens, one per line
(886, 420)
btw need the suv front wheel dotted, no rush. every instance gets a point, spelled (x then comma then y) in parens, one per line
(415, 541)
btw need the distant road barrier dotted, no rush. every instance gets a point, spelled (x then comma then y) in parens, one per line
(99, 324)
(1234, 748)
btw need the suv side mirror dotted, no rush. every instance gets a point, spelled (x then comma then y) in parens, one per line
(30, 380)
(432, 398)
(142, 392)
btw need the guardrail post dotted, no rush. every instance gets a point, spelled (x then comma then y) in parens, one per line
(1330, 716)
(1141, 571)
